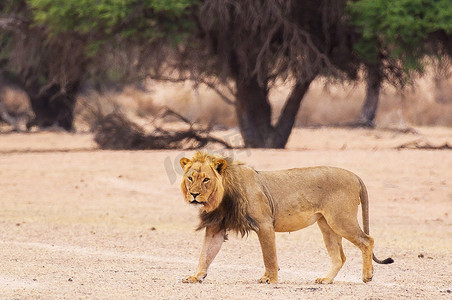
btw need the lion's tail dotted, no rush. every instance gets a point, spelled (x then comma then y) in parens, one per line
(365, 207)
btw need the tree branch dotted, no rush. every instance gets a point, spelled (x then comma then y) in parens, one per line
(210, 85)
(288, 114)
(169, 79)
(223, 97)
(167, 111)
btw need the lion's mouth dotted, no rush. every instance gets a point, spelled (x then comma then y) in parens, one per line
(196, 202)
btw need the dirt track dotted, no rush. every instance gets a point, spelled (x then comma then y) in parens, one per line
(84, 223)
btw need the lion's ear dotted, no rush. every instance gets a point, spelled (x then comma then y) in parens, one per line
(220, 164)
(185, 163)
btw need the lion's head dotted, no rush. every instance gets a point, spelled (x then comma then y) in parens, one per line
(202, 182)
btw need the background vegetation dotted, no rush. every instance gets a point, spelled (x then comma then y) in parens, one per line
(245, 51)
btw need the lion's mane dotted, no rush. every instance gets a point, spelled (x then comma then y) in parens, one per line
(231, 213)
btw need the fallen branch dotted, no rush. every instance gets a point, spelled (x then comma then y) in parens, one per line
(116, 132)
(358, 125)
(371, 125)
(423, 145)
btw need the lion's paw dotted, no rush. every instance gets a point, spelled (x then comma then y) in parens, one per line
(192, 279)
(367, 279)
(267, 279)
(324, 280)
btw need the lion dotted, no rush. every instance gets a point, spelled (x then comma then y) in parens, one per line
(234, 197)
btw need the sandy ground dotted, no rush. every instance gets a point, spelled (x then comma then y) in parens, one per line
(80, 223)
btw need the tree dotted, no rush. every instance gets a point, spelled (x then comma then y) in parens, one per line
(257, 43)
(251, 43)
(374, 80)
(50, 48)
(49, 68)
(396, 36)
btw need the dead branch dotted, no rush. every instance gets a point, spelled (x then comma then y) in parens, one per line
(169, 78)
(116, 132)
(367, 125)
(423, 145)
(409, 130)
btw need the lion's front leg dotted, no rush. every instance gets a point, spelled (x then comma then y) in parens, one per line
(266, 236)
(213, 240)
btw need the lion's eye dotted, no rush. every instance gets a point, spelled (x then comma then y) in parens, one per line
(190, 178)
(206, 180)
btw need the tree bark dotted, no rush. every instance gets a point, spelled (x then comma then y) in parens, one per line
(289, 113)
(369, 108)
(253, 112)
(53, 106)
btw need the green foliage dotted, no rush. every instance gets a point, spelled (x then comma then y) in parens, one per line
(107, 19)
(400, 27)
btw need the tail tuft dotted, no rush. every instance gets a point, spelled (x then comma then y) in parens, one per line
(383, 262)
(387, 261)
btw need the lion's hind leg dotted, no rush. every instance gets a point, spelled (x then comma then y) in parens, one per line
(349, 228)
(333, 243)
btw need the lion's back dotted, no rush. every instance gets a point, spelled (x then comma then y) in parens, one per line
(309, 178)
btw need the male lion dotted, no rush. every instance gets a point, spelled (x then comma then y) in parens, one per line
(235, 197)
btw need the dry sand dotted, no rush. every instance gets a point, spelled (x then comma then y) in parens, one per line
(80, 223)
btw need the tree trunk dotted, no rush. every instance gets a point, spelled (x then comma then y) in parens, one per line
(54, 106)
(287, 117)
(253, 112)
(369, 108)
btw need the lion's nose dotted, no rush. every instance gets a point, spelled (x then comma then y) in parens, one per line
(194, 195)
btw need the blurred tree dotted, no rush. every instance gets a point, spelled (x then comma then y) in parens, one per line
(396, 36)
(49, 68)
(258, 44)
(50, 48)
(254, 44)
